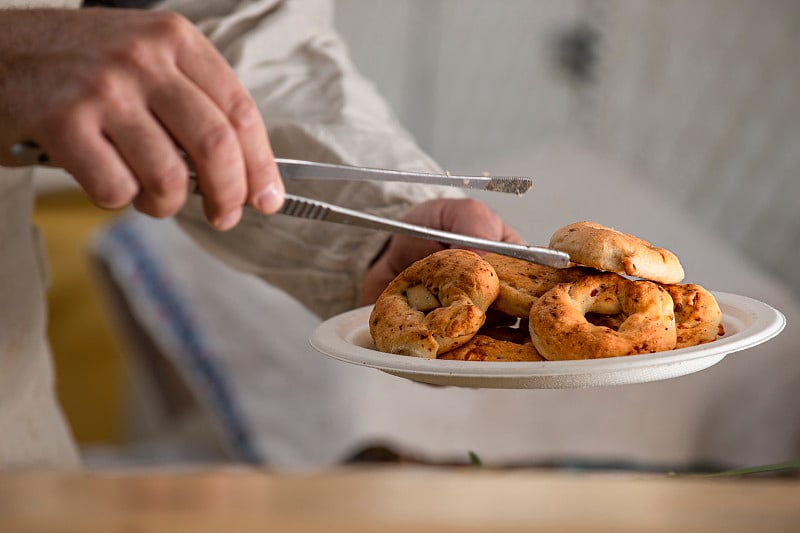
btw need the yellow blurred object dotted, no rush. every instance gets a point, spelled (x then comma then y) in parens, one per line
(88, 357)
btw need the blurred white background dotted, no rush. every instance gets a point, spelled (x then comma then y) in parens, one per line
(701, 100)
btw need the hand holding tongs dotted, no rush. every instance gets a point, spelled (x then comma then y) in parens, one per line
(298, 206)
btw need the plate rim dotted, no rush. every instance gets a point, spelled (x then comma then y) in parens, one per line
(767, 323)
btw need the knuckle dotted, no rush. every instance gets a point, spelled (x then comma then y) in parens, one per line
(172, 27)
(259, 167)
(169, 180)
(135, 56)
(112, 194)
(105, 85)
(157, 208)
(164, 191)
(227, 198)
(218, 140)
(243, 113)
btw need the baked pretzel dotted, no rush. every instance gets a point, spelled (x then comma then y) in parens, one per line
(559, 329)
(435, 305)
(486, 348)
(523, 282)
(594, 245)
(698, 318)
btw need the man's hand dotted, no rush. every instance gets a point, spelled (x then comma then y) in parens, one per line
(466, 216)
(111, 94)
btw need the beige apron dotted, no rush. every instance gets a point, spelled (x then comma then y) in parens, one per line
(316, 107)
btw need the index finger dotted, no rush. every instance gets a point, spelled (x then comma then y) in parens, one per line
(200, 61)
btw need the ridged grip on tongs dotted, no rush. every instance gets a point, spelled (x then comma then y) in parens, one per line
(298, 206)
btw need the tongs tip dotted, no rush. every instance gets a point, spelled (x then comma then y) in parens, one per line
(518, 185)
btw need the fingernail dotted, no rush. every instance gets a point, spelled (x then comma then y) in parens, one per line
(228, 220)
(270, 199)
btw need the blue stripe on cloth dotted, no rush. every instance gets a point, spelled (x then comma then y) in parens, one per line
(187, 338)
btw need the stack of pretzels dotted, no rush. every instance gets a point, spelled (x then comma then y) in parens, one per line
(621, 296)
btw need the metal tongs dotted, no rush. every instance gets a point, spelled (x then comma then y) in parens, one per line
(298, 206)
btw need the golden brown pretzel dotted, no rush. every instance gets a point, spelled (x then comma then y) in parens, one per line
(485, 348)
(522, 282)
(434, 305)
(560, 331)
(698, 318)
(594, 245)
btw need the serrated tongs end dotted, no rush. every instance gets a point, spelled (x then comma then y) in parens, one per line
(509, 184)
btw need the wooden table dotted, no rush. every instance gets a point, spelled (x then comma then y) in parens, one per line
(391, 499)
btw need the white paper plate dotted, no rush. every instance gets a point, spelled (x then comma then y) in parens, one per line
(747, 323)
